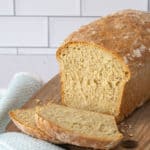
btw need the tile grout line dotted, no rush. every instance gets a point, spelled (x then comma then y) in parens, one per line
(44, 54)
(6, 54)
(17, 51)
(48, 32)
(14, 7)
(26, 47)
(28, 54)
(80, 8)
(25, 16)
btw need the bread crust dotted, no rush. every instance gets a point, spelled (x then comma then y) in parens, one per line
(126, 36)
(69, 137)
(34, 132)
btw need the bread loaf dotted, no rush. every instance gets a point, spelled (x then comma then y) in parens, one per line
(78, 127)
(24, 119)
(105, 65)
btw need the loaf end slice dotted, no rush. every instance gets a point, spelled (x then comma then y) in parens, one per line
(24, 119)
(79, 127)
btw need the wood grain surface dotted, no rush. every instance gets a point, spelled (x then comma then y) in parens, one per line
(136, 128)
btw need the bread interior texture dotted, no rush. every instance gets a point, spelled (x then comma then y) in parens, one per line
(80, 121)
(26, 116)
(92, 79)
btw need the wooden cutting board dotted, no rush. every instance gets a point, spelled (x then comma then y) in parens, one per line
(136, 128)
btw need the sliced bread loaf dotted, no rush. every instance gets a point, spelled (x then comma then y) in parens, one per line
(78, 127)
(24, 119)
(105, 65)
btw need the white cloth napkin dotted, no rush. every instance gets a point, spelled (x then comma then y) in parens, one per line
(19, 141)
(20, 89)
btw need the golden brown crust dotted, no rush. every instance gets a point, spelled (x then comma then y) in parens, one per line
(136, 92)
(34, 132)
(40, 126)
(70, 137)
(62, 91)
(125, 35)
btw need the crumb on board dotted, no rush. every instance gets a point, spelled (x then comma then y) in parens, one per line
(126, 129)
(37, 101)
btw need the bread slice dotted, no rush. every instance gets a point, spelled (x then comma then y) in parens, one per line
(78, 127)
(24, 119)
(105, 65)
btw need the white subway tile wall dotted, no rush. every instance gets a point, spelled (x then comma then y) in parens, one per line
(8, 51)
(36, 51)
(31, 31)
(6, 7)
(44, 66)
(61, 27)
(102, 8)
(23, 31)
(48, 7)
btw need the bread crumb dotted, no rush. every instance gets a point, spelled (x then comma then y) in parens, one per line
(130, 126)
(131, 135)
(122, 123)
(125, 59)
(126, 128)
(122, 130)
(37, 101)
(140, 64)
